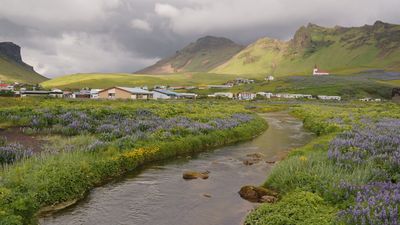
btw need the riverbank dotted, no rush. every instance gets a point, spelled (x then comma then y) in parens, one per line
(334, 179)
(50, 179)
(146, 197)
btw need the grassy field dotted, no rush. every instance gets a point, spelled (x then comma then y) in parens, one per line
(107, 80)
(10, 72)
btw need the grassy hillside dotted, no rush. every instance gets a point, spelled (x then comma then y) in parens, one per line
(203, 55)
(107, 80)
(12, 72)
(338, 50)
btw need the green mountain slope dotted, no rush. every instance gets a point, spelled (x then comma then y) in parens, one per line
(201, 56)
(13, 69)
(108, 80)
(338, 50)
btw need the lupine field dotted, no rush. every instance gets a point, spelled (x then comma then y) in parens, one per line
(352, 168)
(86, 143)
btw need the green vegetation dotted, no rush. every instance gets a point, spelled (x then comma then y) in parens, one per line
(81, 152)
(334, 169)
(12, 72)
(338, 50)
(297, 208)
(107, 80)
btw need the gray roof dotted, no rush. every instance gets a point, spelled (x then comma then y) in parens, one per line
(134, 90)
(166, 92)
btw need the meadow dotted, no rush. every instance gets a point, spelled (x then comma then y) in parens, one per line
(348, 175)
(91, 142)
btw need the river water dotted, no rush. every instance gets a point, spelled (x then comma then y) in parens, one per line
(159, 196)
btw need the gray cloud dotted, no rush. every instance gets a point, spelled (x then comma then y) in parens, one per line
(71, 36)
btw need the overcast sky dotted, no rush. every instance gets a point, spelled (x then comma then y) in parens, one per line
(61, 37)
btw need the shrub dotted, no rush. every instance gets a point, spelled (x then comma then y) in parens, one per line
(295, 208)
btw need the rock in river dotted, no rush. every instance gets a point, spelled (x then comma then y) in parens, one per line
(190, 175)
(258, 194)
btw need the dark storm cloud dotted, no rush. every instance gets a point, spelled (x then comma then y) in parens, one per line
(70, 36)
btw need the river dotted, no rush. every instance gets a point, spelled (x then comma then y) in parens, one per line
(159, 196)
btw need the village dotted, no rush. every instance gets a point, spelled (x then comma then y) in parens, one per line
(163, 92)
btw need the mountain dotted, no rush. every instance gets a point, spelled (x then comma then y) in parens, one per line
(201, 56)
(13, 68)
(339, 50)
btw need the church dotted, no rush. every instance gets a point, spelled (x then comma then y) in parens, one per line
(318, 72)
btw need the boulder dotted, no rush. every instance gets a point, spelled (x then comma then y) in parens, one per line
(190, 175)
(258, 194)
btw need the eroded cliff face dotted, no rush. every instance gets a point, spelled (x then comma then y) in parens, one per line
(12, 53)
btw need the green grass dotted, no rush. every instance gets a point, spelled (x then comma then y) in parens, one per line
(108, 80)
(11, 72)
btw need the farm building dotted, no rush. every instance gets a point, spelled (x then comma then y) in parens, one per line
(265, 94)
(246, 96)
(325, 97)
(164, 94)
(125, 93)
(221, 95)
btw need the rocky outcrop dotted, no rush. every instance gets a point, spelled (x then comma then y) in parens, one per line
(258, 194)
(12, 53)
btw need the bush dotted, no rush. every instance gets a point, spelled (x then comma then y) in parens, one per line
(295, 208)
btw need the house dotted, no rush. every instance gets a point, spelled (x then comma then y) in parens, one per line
(265, 94)
(325, 97)
(6, 87)
(56, 93)
(125, 93)
(243, 81)
(318, 72)
(94, 93)
(246, 96)
(68, 94)
(164, 94)
(270, 78)
(188, 95)
(221, 95)
(81, 94)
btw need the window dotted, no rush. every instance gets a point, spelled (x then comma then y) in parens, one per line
(111, 95)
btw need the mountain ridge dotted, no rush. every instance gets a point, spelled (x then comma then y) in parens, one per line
(13, 68)
(200, 56)
(337, 49)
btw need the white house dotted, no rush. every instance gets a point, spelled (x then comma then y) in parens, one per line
(246, 96)
(6, 87)
(325, 97)
(318, 72)
(94, 93)
(222, 95)
(270, 78)
(265, 94)
(187, 95)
